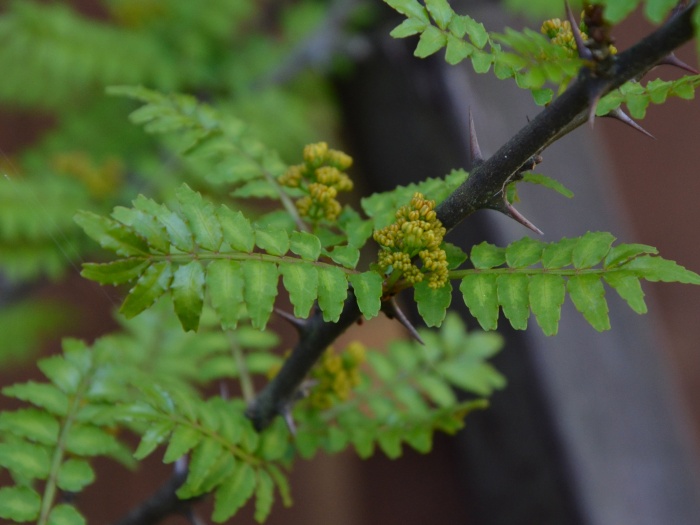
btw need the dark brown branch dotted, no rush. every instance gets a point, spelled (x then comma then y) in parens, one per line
(487, 179)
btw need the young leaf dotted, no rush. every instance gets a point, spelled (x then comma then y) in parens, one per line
(31, 424)
(548, 182)
(623, 253)
(558, 254)
(226, 284)
(264, 495)
(409, 8)
(19, 504)
(588, 295)
(480, 296)
(301, 281)
(150, 286)
(591, 248)
(183, 439)
(188, 294)
(117, 272)
(513, 298)
(431, 41)
(237, 231)
(629, 288)
(332, 292)
(524, 252)
(432, 302)
(546, 298)
(65, 514)
(273, 241)
(347, 256)
(111, 235)
(203, 459)
(485, 255)
(368, 290)
(409, 27)
(25, 460)
(658, 269)
(200, 218)
(234, 492)
(43, 395)
(441, 12)
(305, 245)
(179, 233)
(74, 475)
(260, 290)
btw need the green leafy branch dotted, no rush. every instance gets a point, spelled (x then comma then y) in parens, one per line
(406, 395)
(533, 275)
(198, 248)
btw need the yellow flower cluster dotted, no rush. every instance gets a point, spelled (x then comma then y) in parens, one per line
(336, 375)
(416, 232)
(560, 33)
(321, 177)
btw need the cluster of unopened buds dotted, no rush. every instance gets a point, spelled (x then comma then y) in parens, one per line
(561, 34)
(417, 232)
(321, 177)
(335, 375)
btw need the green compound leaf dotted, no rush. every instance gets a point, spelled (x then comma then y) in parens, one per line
(234, 492)
(225, 285)
(457, 50)
(301, 282)
(432, 302)
(116, 272)
(591, 248)
(624, 253)
(110, 234)
(200, 217)
(479, 292)
(546, 296)
(188, 294)
(153, 283)
(347, 256)
(205, 457)
(145, 225)
(64, 514)
(332, 292)
(658, 269)
(19, 504)
(431, 41)
(90, 440)
(513, 297)
(588, 295)
(368, 290)
(74, 475)
(305, 245)
(236, 228)
(558, 254)
(440, 11)
(260, 290)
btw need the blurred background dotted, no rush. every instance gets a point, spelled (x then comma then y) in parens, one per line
(593, 428)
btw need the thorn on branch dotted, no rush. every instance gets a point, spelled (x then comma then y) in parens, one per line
(508, 210)
(623, 117)
(583, 51)
(672, 60)
(300, 325)
(475, 150)
(392, 311)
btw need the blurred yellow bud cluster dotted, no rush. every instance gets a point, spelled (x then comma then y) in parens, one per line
(560, 33)
(416, 232)
(321, 177)
(102, 180)
(336, 375)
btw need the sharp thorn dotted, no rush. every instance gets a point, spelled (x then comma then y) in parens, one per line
(286, 413)
(507, 209)
(583, 51)
(475, 150)
(620, 115)
(299, 324)
(672, 60)
(392, 311)
(592, 106)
